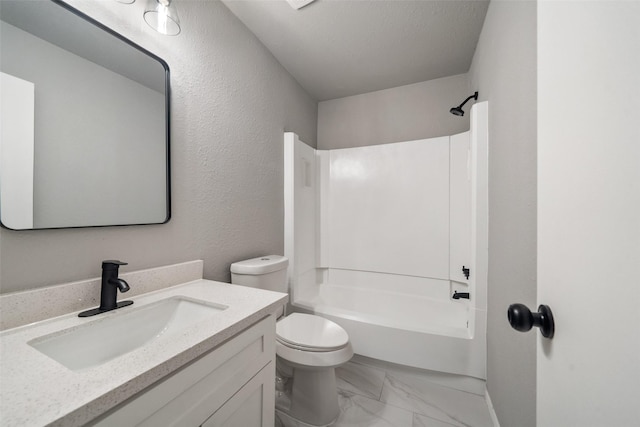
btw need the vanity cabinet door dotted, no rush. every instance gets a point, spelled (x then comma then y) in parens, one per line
(251, 406)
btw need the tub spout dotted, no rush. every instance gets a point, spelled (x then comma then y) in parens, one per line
(458, 295)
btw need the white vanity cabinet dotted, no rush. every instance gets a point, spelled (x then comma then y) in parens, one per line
(231, 385)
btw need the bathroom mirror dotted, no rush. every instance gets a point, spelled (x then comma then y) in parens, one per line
(84, 124)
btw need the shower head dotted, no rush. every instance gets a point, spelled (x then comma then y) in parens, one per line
(458, 111)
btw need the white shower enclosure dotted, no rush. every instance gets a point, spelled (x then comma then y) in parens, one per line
(378, 238)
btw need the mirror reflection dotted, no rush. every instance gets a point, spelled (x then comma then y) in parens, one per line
(84, 122)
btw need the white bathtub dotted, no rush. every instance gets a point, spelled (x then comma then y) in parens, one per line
(377, 238)
(400, 319)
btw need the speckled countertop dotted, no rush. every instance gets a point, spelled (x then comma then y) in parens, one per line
(37, 391)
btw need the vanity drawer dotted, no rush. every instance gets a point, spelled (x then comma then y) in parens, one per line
(191, 395)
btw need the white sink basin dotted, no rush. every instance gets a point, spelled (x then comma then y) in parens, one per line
(104, 339)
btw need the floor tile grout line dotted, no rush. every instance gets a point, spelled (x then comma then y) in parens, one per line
(389, 377)
(375, 395)
(449, 417)
(384, 381)
(408, 412)
(392, 404)
(355, 390)
(344, 390)
(417, 414)
(402, 371)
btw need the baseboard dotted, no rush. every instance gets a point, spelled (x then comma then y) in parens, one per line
(492, 412)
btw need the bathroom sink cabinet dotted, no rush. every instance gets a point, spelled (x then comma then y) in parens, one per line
(231, 385)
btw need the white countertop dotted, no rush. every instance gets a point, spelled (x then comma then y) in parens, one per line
(37, 391)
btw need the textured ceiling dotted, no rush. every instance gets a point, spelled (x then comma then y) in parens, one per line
(338, 48)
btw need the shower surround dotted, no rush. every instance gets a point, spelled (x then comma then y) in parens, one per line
(379, 239)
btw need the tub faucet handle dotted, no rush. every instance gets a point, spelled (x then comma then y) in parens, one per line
(466, 271)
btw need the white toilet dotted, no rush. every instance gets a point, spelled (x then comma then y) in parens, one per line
(308, 348)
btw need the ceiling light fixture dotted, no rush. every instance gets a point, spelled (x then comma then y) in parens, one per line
(162, 16)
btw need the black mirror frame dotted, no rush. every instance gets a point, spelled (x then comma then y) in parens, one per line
(167, 119)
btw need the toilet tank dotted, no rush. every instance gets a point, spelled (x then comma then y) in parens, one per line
(266, 272)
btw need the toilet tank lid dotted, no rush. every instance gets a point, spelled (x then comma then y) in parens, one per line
(260, 265)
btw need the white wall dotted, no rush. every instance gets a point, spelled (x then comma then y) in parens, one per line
(231, 101)
(404, 113)
(504, 72)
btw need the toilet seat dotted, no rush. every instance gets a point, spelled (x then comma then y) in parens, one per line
(303, 348)
(310, 341)
(314, 359)
(308, 332)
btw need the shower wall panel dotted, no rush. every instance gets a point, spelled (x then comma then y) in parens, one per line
(300, 212)
(388, 208)
(460, 206)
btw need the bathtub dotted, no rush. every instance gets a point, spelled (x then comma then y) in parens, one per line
(378, 246)
(399, 319)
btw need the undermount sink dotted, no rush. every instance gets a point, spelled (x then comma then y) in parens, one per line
(102, 340)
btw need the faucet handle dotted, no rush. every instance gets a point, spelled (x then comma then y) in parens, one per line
(113, 262)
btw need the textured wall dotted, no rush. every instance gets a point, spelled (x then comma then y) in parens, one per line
(231, 102)
(504, 72)
(403, 113)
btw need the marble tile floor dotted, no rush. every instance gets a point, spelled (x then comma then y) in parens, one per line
(374, 397)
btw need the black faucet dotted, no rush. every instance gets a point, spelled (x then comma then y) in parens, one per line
(458, 295)
(109, 289)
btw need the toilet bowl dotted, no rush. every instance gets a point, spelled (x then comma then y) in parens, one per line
(308, 349)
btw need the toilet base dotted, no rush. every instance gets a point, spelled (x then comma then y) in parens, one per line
(285, 420)
(312, 395)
